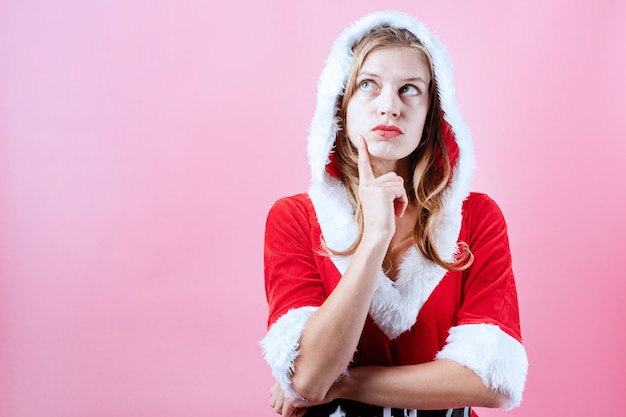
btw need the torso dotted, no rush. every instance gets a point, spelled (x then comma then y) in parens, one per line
(441, 304)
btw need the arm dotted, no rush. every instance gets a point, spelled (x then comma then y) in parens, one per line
(332, 333)
(436, 385)
(430, 386)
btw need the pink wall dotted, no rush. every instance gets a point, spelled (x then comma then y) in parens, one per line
(143, 142)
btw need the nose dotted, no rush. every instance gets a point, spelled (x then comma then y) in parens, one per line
(389, 104)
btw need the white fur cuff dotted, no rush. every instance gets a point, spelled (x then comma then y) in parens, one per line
(499, 359)
(280, 345)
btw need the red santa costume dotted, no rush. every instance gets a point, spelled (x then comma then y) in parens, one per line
(427, 313)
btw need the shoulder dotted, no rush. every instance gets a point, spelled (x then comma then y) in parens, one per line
(293, 211)
(291, 224)
(481, 206)
(482, 219)
(298, 204)
(291, 202)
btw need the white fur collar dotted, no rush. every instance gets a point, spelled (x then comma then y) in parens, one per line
(396, 304)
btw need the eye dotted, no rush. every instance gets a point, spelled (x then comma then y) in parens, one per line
(409, 90)
(366, 85)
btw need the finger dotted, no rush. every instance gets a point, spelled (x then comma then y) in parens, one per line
(401, 200)
(293, 407)
(399, 196)
(276, 398)
(395, 184)
(277, 404)
(365, 168)
(390, 178)
(287, 410)
(400, 204)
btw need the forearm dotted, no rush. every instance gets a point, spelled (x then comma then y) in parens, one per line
(435, 385)
(332, 333)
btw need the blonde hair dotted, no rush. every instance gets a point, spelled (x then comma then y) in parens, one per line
(430, 177)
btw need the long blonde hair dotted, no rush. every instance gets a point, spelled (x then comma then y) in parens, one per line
(430, 162)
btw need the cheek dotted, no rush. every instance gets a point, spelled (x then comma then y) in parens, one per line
(349, 124)
(353, 121)
(417, 136)
(351, 132)
(418, 123)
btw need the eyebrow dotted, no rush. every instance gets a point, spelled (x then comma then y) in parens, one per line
(410, 79)
(416, 79)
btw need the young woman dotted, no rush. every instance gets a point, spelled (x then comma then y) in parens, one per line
(389, 283)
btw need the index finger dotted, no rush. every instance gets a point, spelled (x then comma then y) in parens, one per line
(365, 168)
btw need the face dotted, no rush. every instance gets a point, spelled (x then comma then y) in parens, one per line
(390, 104)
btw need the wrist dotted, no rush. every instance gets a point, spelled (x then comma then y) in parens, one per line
(375, 243)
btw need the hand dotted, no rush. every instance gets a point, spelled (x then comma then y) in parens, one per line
(382, 198)
(284, 404)
(288, 406)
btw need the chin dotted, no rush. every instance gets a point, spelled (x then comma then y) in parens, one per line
(388, 155)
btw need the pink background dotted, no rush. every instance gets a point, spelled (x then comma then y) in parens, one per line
(143, 142)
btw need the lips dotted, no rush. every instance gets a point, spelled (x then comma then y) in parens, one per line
(387, 131)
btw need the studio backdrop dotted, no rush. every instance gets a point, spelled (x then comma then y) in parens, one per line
(143, 142)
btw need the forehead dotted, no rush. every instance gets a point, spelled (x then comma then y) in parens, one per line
(402, 61)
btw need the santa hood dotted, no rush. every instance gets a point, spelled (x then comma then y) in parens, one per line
(395, 304)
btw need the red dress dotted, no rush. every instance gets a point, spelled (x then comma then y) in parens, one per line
(470, 316)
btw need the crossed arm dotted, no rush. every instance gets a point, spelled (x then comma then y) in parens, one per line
(435, 385)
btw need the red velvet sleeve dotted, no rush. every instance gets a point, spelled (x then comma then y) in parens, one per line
(490, 295)
(292, 279)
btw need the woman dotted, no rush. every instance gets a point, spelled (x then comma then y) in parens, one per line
(389, 284)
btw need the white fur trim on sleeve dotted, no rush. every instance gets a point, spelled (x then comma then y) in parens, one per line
(499, 359)
(280, 345)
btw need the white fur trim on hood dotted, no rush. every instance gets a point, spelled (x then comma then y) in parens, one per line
(395, 304)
